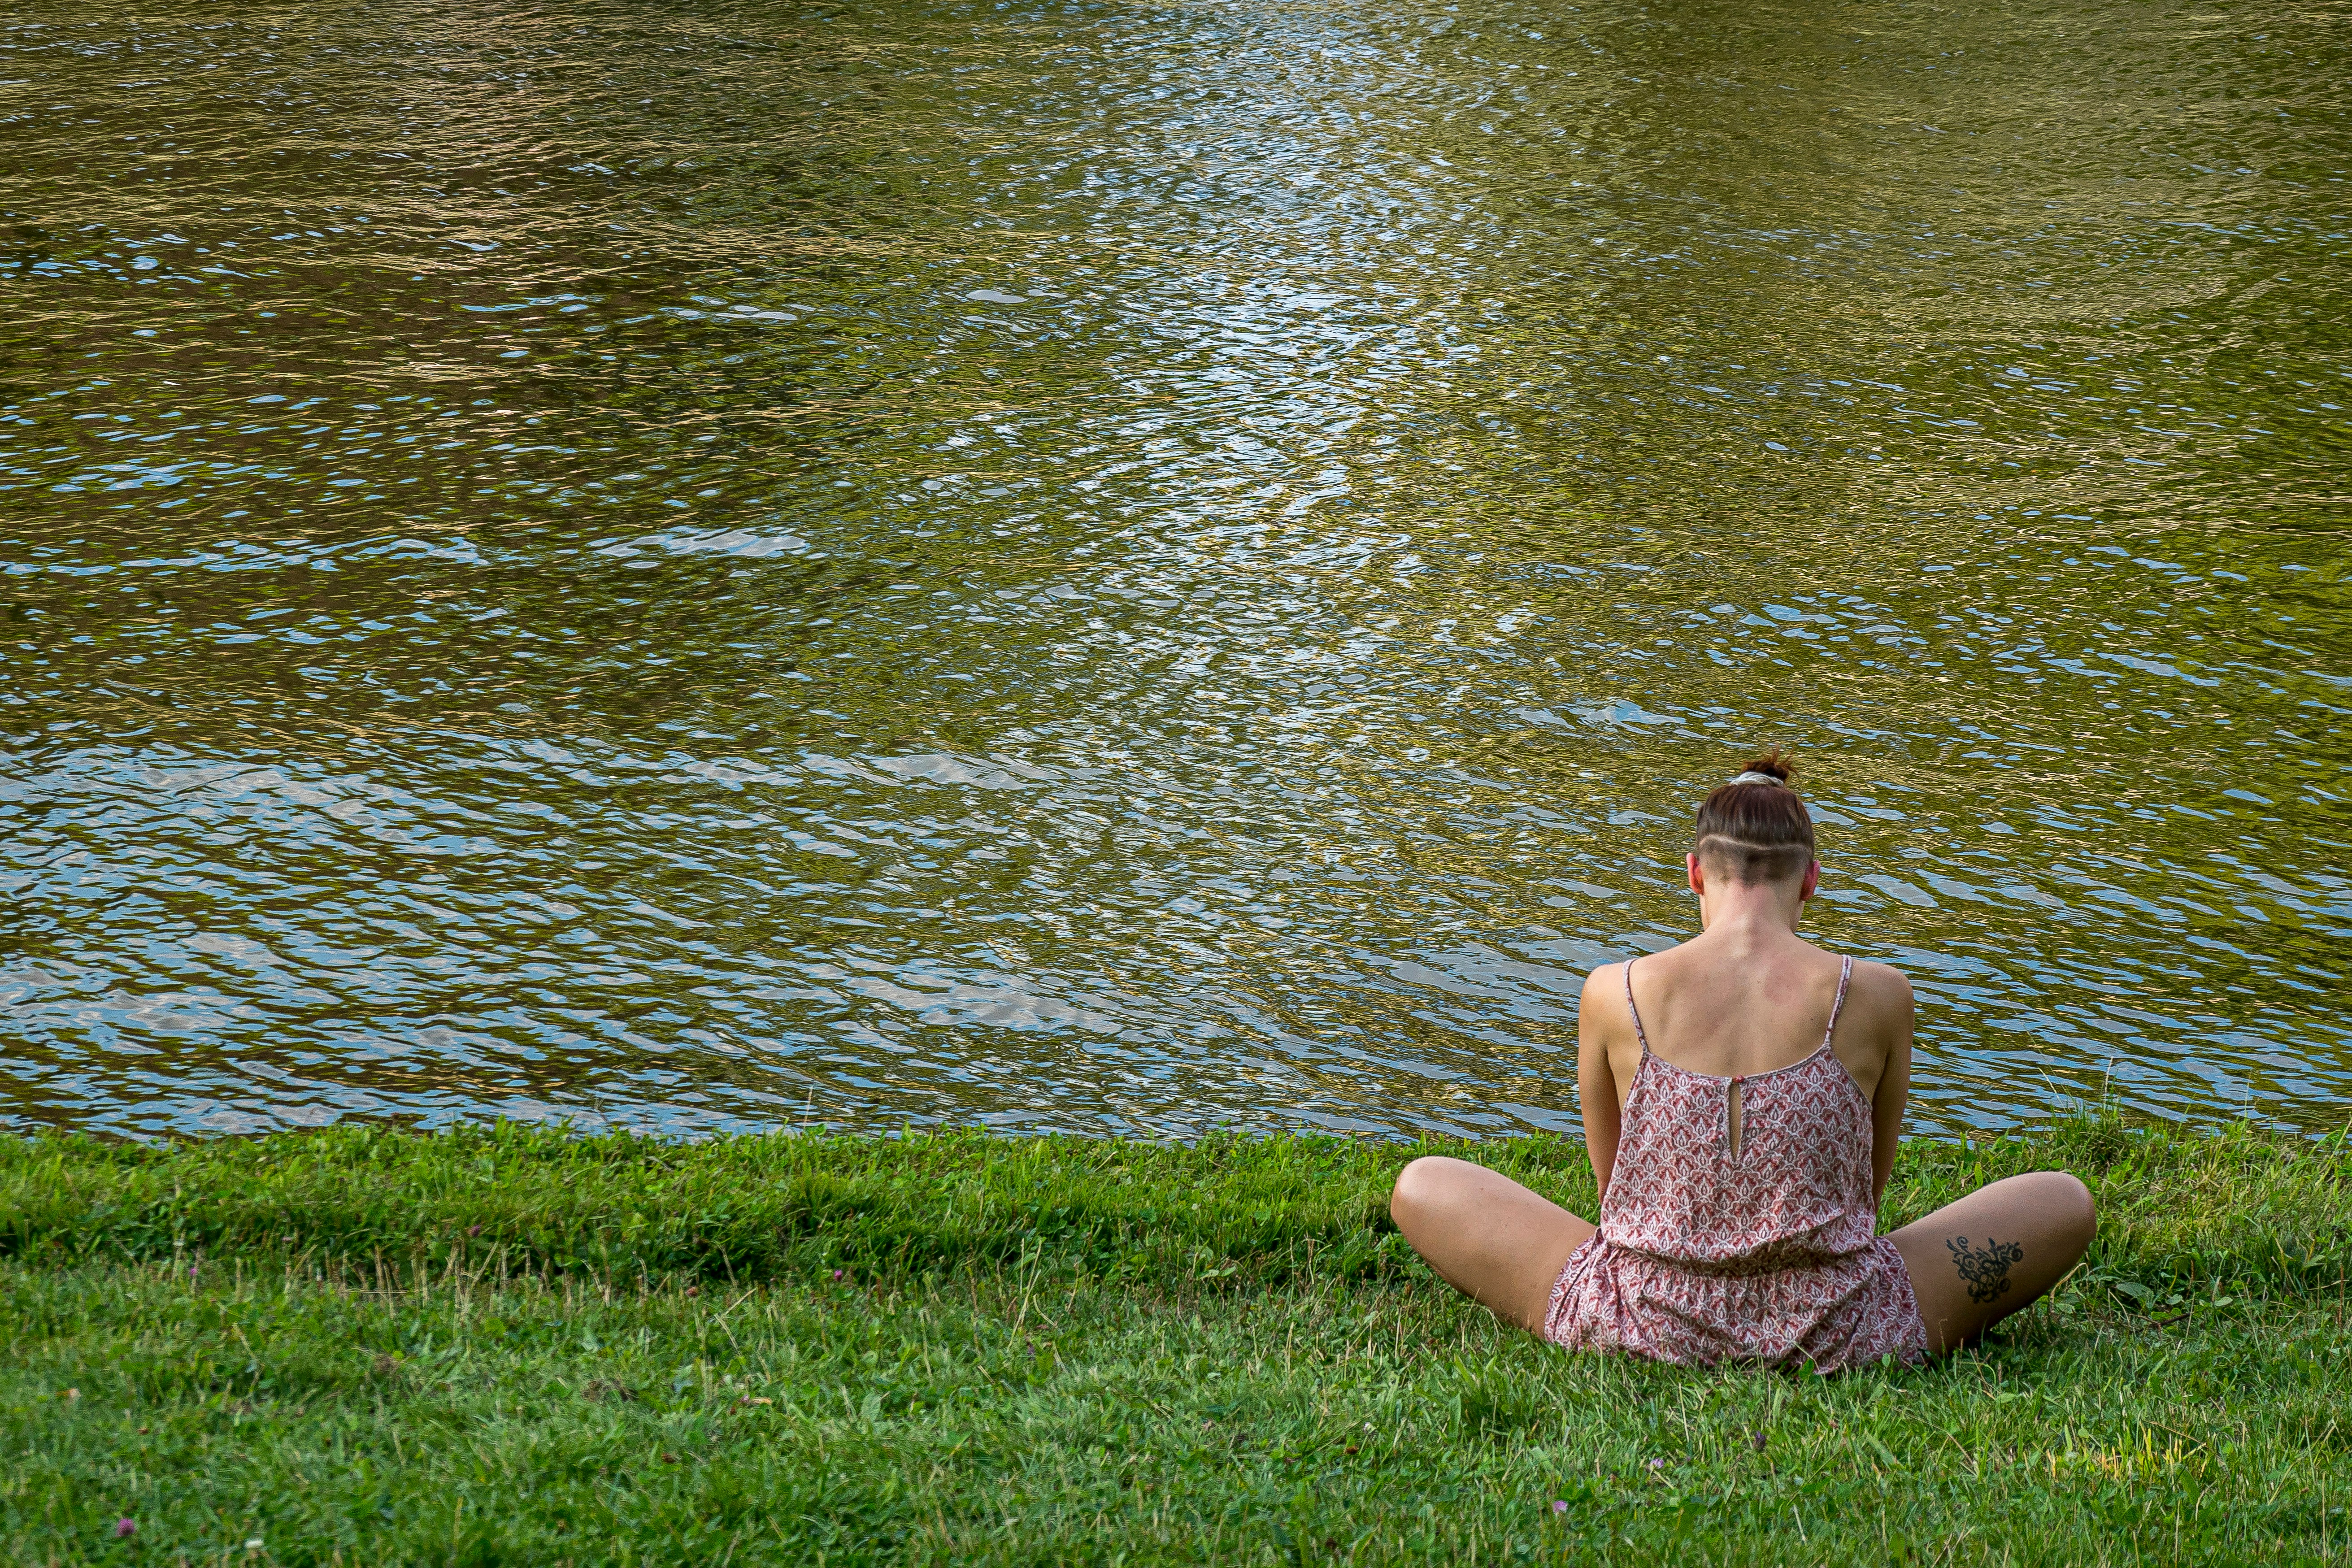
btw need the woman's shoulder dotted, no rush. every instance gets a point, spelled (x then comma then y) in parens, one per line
(1614, 973)
(1610, 977)
(1873, 984)
(1879, 988)
(1610, 981)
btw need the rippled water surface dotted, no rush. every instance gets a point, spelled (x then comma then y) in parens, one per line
(1137, 566)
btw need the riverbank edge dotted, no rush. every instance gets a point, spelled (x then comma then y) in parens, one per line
(2179, 1209)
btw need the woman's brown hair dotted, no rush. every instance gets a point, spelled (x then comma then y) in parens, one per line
(1758, 831)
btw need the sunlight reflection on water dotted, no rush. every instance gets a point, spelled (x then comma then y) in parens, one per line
(1139, 570)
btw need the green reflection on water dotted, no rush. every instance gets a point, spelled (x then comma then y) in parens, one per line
(1145, 567)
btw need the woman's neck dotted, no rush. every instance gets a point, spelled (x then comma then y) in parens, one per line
(1750, 914)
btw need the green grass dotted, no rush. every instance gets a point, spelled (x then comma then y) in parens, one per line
(369, 1348)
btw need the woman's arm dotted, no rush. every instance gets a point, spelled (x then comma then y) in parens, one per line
(1894, 1087)
(1596, 1085)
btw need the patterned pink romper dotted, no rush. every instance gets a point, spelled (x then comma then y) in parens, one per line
(1705, 1257)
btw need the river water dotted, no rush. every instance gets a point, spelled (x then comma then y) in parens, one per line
(1141, 567)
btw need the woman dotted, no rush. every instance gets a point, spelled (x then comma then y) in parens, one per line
(1743, 1094)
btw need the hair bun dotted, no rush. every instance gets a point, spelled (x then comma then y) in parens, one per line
(1754, 828)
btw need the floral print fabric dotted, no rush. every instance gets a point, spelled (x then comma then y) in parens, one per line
(1709, 1253)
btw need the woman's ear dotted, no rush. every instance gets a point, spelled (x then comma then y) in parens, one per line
(1697, 878)
(1813, 883)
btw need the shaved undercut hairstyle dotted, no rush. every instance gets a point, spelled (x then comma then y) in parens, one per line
(1755, 828)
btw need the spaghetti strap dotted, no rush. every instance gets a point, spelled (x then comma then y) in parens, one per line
(1845, 974)
(1636, 1012)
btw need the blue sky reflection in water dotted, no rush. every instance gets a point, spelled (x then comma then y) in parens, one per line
(1133, 567)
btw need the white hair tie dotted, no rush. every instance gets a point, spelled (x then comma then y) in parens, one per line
(1752, 777)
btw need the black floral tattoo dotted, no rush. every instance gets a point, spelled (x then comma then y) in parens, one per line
(1986, 1269)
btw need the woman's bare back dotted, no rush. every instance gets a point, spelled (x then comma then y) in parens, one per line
(1735, 1006)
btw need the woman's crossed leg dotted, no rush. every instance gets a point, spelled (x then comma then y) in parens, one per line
(1974, 1262)
(1971, 1263)
(1489, 1238)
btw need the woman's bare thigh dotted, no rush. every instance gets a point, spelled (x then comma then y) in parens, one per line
(1974, 1262)
(1491, 1239)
